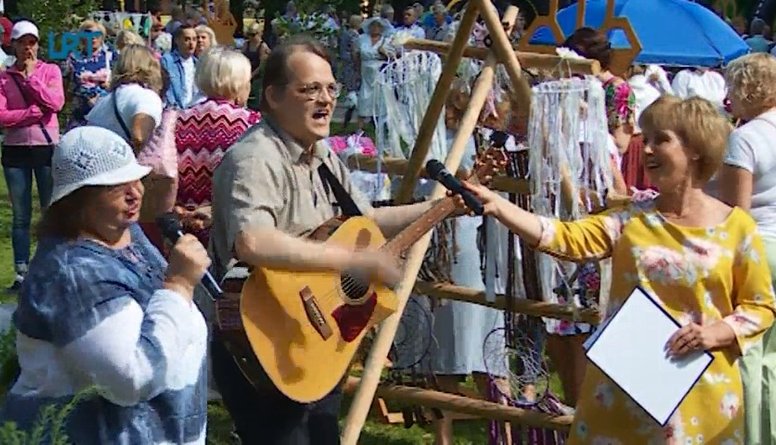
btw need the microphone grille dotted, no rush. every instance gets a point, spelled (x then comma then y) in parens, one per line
(434, 168)
(169, 225)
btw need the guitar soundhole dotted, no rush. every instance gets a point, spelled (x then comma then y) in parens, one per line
(354, 288)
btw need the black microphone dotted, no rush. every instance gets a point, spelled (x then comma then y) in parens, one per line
(437, 171)
(172, 230)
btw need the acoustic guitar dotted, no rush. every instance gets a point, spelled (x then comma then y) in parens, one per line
(305, 327)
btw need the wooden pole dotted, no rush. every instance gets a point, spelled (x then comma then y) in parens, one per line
(466, 405)
(371, 376)
(506, 55)
(382, 344)
(389, 165)
(437, 104)
(520, 306)
(480, 92)
(507, 184)
(526, 59)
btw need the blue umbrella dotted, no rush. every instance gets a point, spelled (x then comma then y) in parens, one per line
(671, 32)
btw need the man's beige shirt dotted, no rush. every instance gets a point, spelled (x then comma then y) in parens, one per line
(266, 180)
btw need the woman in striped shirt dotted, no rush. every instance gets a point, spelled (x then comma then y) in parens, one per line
(205, 131)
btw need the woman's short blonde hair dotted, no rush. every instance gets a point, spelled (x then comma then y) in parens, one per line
(137, 64)
(223, 73)
(128, 37)
(93, 24)
(751, 79)
(204, 29)
(698, 125)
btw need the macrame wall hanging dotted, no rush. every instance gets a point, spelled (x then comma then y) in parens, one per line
(570, 165)
(403, 92)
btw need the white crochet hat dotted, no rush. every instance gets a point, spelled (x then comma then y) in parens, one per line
(92, 156)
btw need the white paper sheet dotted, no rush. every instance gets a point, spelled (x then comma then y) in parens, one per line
(630, 349)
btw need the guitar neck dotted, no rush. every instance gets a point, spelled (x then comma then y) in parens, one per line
(412, 233)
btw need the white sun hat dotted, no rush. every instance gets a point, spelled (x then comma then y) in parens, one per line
(92, 156)
(23, 28)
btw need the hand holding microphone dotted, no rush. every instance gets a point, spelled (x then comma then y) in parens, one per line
(478, 198)
(188, 264)
(437, 171)
(188, 259)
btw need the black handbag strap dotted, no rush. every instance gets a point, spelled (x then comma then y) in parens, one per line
(118, 116)
(26, 103)
(344, 200)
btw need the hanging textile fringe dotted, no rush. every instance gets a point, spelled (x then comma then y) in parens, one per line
(403, 93)
(567, 133)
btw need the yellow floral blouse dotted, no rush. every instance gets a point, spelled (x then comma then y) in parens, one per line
(698, 274)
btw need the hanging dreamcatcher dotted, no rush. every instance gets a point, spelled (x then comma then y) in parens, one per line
(570, 169)
(414, 337)
(514, 359)
(403, 93)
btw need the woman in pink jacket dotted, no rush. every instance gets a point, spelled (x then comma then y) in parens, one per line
(31, 95)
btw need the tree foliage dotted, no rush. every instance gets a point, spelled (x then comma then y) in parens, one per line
(56, 16)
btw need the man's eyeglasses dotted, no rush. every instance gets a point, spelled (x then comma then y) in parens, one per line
(314, 90)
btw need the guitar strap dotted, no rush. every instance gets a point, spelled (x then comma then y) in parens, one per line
(344, 200)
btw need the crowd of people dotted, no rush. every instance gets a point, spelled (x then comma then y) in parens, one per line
(230, 140)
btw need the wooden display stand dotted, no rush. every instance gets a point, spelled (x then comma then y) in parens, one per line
(503, 53)
(500, 52)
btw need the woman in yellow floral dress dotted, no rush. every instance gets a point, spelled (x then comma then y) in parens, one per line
(703, 260)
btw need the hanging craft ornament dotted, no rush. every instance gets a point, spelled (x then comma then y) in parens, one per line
(568, 136)
(403, 92)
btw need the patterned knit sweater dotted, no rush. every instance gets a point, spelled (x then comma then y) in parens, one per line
(203, 134)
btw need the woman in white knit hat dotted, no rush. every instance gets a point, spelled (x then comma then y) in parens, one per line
(102, 308)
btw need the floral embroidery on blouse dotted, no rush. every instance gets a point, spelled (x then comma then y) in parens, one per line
(699, 275)
(620, 103)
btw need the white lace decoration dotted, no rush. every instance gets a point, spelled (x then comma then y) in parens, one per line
(403, 89)
(567, 132)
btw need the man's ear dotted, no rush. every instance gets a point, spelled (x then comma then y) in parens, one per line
(274, 95)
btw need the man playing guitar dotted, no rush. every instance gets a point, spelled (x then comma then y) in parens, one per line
(269, 193)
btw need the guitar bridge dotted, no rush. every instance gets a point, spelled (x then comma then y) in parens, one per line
(314, 314)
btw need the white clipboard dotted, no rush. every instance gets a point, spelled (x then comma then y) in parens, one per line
(629, 348)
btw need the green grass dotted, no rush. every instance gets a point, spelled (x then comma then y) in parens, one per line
(6, 252)
(220, 425)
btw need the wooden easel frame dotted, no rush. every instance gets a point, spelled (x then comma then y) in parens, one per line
(621, 58)
(501, 52)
